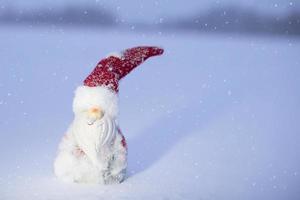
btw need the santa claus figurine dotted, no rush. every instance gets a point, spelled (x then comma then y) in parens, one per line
(94, 150)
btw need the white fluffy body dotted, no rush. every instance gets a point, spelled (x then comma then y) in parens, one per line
(81, 157)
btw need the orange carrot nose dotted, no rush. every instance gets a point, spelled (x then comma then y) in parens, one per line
(96, 112)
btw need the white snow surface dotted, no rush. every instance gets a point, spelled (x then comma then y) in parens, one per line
(215, 117)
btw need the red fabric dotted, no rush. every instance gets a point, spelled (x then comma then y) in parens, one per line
(110, 70)
(123, 141)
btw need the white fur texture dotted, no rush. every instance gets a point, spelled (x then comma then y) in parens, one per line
(86, 97)
(80, 158)
(73, 166)
(115, 54)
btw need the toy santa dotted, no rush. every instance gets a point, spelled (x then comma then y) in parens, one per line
(94, 150)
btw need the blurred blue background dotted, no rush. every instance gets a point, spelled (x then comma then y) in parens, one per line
(251, 16)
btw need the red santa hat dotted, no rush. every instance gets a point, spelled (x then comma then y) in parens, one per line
(102, 85)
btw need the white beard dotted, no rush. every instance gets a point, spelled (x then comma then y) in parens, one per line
(94, 136)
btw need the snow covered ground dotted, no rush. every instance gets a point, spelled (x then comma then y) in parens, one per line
(216, 117)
